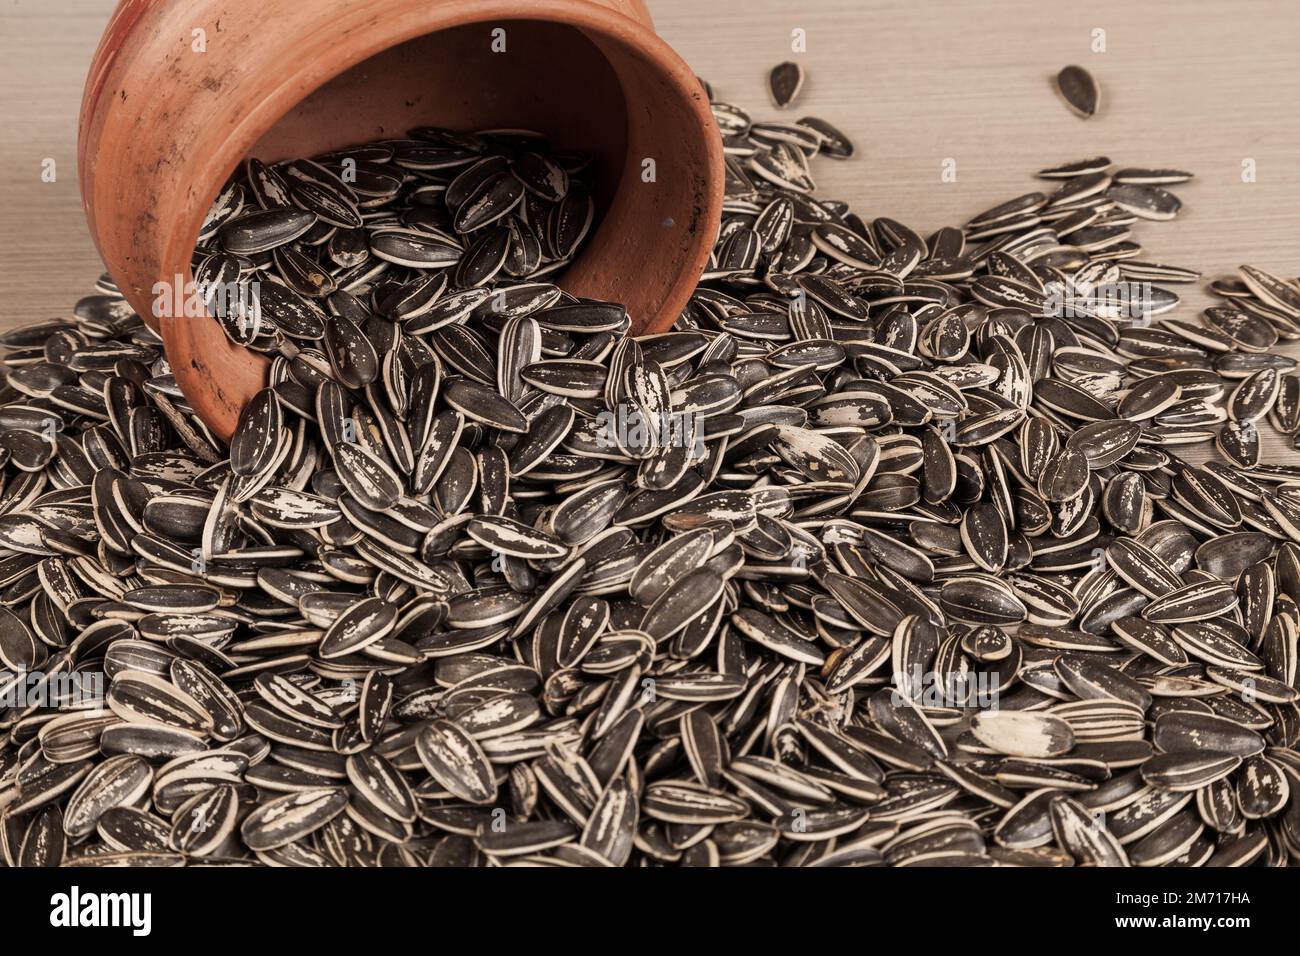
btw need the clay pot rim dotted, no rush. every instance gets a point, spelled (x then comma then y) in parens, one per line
(600, 22)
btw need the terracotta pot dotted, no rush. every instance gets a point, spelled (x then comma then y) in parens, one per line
(163, 126)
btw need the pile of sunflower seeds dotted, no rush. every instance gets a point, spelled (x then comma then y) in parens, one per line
(885, 554)
(440, 229)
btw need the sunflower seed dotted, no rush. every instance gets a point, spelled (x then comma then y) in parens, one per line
(1079, 90)
(1022, 734)
(456, 762)
(283, 820)
(784, 82)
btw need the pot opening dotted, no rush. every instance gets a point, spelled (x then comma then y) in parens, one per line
(519, 74)
(588, 92)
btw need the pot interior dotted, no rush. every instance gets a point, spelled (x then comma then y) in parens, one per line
(549, 77)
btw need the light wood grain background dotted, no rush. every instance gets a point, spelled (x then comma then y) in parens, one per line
(1196, 84)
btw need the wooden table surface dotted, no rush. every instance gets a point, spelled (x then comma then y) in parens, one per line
(1205, 85)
